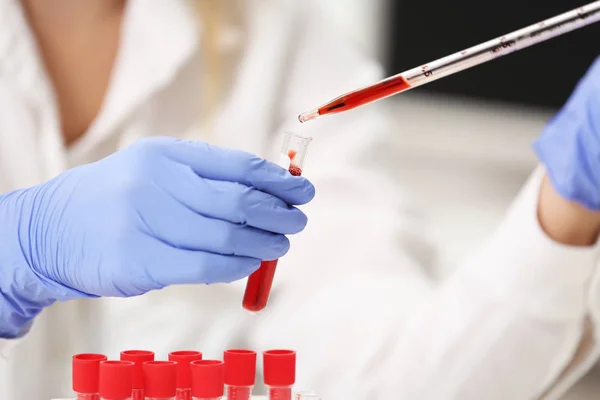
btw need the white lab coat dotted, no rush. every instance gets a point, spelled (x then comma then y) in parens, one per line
(366, 321)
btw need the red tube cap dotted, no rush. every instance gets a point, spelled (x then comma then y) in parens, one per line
(183, 359)
(240, 367)
(86, 372)
(208, 378)
(116, 379)
(138, 357)
(279, 367)
(160, 378)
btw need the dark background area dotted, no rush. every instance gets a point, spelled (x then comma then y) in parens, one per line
(541, 75)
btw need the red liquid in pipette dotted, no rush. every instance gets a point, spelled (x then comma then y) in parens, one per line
(259, 283)
(364, 96)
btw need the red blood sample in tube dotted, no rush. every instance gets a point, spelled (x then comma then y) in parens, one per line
(116, 379)
(279, 373)
(184, 375)
(86, 375)
(296, 171)
(240, 372)
(208, 377)
(138, 358)
(258, 287)
(160, 379)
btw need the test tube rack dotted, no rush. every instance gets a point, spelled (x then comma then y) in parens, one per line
(184, 376)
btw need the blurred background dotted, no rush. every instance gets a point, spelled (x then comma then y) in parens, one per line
(461, 145)
(466, 139)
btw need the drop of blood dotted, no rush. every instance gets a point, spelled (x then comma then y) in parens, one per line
(296, 171)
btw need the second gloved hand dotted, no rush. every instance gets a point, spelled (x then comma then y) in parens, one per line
(569, 147)
(161, 212)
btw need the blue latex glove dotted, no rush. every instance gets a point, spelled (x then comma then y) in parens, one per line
(570, 144)
(160, 212)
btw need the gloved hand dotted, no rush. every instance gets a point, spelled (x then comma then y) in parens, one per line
(569, 146)
(160, 212)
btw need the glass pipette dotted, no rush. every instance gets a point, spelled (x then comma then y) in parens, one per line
(460, 61)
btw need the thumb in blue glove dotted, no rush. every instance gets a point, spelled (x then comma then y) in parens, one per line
(569, 146)
(160, 212)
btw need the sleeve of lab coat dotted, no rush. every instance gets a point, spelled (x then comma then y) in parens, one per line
(502, 327)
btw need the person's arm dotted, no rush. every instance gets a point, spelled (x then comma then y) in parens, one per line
(158, 213)
(566, 221)
(510, 320)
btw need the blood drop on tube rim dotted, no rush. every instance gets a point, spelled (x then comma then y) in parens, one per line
(208, 379)
(116, 380)
(138, 358)
(184, 375)
(86, 375)
(258, 287)
(240, 372)
(279, 373)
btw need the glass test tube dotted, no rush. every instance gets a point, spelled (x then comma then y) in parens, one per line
(116, 380)
(258, 287)
(184, 377)
(279, 373)
(138, 357)
(85, 375)
(240, 372)
(160, 380)
(208, 379)
(295, 147)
